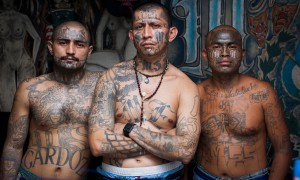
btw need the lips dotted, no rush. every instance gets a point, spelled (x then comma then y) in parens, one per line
(147, 44)
(69, 58)
(224, 63)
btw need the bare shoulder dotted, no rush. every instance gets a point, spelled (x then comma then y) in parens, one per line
(259, 85)
(120, 69)
(93, 76)
(182, 79)
(201, 85)
(123, 67)
(35, 80)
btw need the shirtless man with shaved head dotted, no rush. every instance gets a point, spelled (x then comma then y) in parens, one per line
(238, 113)
(52, 110)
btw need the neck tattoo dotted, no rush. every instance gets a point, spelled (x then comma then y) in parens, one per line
(143, 94)
(147, 80)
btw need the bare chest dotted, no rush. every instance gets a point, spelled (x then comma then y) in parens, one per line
(55, 106)
(160, 110)
(238, 117)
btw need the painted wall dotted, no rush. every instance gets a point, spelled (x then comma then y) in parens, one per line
(270, 29)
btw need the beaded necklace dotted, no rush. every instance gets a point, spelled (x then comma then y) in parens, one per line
(142, 95)
(149, 76)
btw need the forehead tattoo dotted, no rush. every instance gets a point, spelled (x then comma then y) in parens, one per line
(150, 12)
(224, 35)
(67, 33)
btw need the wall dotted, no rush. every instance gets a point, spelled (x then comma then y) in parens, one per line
(270, 30)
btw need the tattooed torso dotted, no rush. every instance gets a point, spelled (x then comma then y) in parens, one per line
(58, 143)
(233, 137)
(160, 110)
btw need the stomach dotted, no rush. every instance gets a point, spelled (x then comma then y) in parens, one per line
(136, 162)
(232, 160)
(57, 162)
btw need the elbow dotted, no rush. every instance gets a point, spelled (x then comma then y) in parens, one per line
(189, 152)
(95, 151)
(95, 147)
(187, 159)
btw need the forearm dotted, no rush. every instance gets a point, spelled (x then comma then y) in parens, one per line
(280, 166)
(110, 144)
(165, 146)
(10, 163)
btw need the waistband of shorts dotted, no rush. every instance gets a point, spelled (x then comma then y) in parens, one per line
(141, 171)
(203, 173)
(23, 172)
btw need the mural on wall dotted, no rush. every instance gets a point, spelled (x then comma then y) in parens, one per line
(270, 29)
(274, 29)
(17, 62)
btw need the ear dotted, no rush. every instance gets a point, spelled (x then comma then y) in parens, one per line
(50, 47)
(90, 50)
(243, 53)
(172, 33)
(204, 54)
(130, 35)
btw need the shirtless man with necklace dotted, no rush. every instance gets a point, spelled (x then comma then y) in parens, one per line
(145, 117)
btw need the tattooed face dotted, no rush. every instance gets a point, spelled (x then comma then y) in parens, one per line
(70, 46)
(224, 49)
(150, 33)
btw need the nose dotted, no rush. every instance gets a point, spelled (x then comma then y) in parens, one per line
(225, 51)
(71, 49)
(147, 31)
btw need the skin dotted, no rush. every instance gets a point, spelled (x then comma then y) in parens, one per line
(238, 113)
(172, 126)
(53, 109)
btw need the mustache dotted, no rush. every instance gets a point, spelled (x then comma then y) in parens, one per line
(73, 58)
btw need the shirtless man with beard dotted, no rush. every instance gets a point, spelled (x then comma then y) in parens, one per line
(53, 109)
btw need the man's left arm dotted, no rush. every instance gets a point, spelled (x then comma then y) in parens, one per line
(279, 136)
(183, 145)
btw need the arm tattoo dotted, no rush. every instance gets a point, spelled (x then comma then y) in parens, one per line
(125, 147)
(12, 152)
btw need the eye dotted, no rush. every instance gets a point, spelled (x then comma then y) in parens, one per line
(62, 42)
(216, 46)
(233, 46)
(80, 45)
(138, 27)
(156, 26)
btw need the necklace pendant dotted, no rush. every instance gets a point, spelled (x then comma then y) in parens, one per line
(146, 80)
(144, 118)
(144, 94)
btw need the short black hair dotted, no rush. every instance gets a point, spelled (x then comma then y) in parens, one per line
(144, 3)
(77, 21)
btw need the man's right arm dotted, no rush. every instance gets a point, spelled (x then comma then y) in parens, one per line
(16, 134)
(102, 138)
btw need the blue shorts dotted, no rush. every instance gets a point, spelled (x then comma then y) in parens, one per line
(169, 171)
(201, 174)
(24, 174)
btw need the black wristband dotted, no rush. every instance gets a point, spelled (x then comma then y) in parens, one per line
(128, 128)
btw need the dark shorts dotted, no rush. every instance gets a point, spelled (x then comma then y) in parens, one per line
(169, 171)
(24, 174)
(201, 174)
